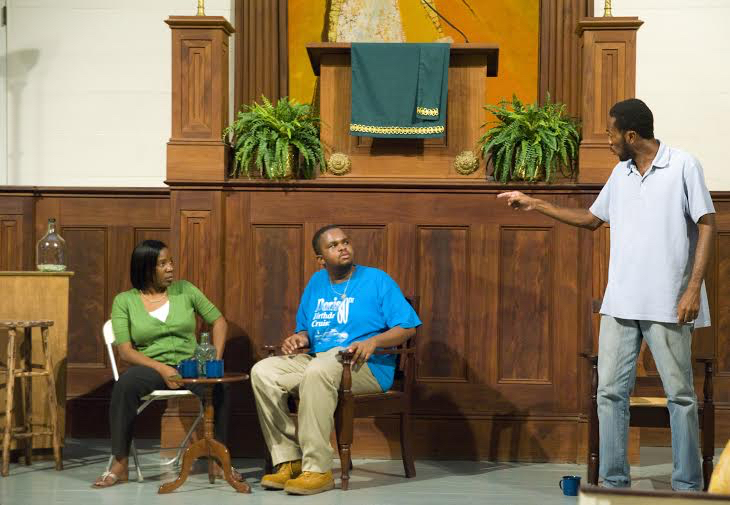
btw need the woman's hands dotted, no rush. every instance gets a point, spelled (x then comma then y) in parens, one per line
(132, 356)
(166, 371)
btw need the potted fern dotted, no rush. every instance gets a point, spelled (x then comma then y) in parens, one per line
(530, 142)
(276, 141)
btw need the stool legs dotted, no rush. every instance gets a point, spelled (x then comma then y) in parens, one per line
(26, 373)
(53, 404)
(26, 386)
(9, 402)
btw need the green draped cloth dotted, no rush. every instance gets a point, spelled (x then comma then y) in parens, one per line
(399, 90)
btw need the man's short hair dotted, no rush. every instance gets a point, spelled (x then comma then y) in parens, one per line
(318, 235)
(633, 114)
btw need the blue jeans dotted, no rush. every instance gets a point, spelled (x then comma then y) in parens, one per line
(618, 349)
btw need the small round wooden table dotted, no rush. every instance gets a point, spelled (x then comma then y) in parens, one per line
(207, 446)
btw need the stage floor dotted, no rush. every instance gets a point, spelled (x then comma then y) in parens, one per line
(373, 482)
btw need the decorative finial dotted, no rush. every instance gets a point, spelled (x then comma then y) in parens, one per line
(607, 9)
(201, 7)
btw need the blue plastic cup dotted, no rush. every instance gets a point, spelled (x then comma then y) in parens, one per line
(188, 369)
(214, 368)
(570, 484)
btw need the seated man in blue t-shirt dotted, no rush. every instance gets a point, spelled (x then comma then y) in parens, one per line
(344, 306)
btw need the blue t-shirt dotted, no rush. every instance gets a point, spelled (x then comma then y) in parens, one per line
(374, 304)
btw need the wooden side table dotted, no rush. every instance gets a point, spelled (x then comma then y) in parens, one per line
(208, 445)
(25, 371)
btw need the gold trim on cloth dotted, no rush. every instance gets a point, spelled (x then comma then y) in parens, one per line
(425, 111)
(397, 130)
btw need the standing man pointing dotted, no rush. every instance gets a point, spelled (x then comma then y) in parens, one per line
(662, 228)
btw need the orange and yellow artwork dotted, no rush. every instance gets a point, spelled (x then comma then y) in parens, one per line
(512, 24)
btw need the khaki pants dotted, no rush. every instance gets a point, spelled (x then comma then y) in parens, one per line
(316, 381)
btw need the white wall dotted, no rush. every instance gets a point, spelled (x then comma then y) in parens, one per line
(89, 95)
(3, 103)
(683, 75)
(89, 85)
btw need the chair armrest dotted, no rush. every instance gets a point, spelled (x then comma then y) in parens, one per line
(347, 355)
(273, 350)
(596, 305)
(394, 351)
(705, 360)
(592, 358)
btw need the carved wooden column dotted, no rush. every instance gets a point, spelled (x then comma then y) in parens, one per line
(196, 151)
(609, 76)
(262, 51)
(560, 56)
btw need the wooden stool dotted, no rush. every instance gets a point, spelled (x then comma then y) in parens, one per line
(26, 372)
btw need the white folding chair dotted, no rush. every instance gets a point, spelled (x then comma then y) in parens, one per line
(159, 394)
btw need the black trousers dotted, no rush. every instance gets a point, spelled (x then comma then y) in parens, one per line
(139, 381)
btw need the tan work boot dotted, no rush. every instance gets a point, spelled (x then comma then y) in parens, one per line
(310, 483)
(284, 472)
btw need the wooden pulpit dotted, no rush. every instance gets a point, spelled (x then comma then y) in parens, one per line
(469, 67)
(34, 296)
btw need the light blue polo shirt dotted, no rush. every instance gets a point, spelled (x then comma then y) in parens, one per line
(653, 221)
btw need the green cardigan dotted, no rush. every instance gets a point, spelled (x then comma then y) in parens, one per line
(168, 342)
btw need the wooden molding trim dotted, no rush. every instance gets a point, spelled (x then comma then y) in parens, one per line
(614, 23)
(243, 184)
(84, 191)
(315, 51)
(205, 22)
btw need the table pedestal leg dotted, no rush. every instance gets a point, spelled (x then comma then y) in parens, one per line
(220, 452)
(195, 451)
(209, 447)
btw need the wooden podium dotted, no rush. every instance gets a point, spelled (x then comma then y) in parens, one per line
(33, 296)
(432, 158)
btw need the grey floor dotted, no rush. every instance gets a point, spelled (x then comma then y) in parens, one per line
(373, 482)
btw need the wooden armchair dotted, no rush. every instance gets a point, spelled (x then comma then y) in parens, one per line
(652, 412)
(397, 400)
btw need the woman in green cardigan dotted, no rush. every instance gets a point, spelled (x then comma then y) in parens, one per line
(154, 329)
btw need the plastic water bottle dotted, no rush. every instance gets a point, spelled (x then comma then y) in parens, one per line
(204, 352)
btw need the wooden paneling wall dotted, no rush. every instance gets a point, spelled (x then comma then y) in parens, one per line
(101, 227)
(505, 302)
(505, 299)
(17, 247)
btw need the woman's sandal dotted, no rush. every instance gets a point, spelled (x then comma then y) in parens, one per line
(108, 479)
